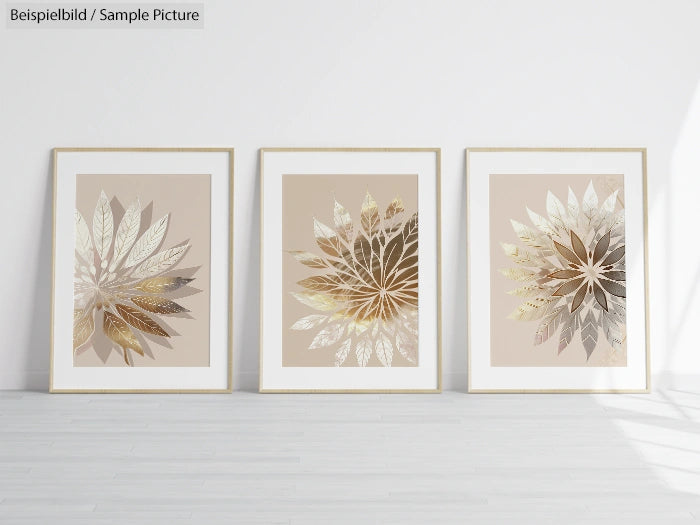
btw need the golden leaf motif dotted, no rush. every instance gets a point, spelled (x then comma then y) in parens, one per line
(159, 285)
(576, 282)
(118, 331)
(140, 320)
(112, 270)
(83, 327)
(309, 259)
(368, 291)
(158, 305)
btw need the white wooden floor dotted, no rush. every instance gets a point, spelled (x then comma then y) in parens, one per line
(355, 459)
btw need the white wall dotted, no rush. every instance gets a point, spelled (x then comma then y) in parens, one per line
(362, 73)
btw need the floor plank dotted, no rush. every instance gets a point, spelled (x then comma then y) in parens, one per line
(291, 459)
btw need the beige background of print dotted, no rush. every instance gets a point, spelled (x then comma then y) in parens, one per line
(303, 198)
(511, 340)
(188, 200)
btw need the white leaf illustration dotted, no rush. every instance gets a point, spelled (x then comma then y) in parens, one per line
(309, 322)
(103, 227)
(327, 336)
(589, 207)
(363, 350)
(342, 353)
(126, 233)
(406, 345)
(608, 205)
(315, 300)
(343, 222)
(147, 243)
(542, 224)
(83, 242)
(556, 210)
(384, 349)
(160, 262)
(572, 207)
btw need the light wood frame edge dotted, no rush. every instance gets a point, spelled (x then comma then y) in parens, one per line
(438, 161)
(643, 152)
(229, 387)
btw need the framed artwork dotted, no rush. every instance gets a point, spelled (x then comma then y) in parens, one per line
(350, 278)
(141, 276)
(557, 286)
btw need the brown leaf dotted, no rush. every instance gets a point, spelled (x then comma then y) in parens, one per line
(615, 275)
(564, 274)
(568, 287)
(601, 248)
(322, 283)
(158, 305)
(162, 284)
(579, 247)
(614, 256)
(613, 287)
(578, 298)
(566, 253)
(600, 296)
(118, 331)
(140, 320)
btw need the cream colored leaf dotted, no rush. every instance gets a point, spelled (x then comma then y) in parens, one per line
(103, 227)
(118, 331)
(308, 322)
(147, 243)
(309, 259)
(342, 353)
(162, 284)
(384, 349)
(327, 239)
(531, 290)
(608, 206)
(158, 305)
(406, 345)
(534, 308)
(528, 236)
(572, 207)
(556, 211)
(83, 327)
(126, 233)
(140, 320)
(327, 336)
(541, 223)
(518, 255)
(316, 301)
(589, 206)
(363, 351)
(369, 215)
(83, 241)
(613, 331)
(160, 262)
(518, 274)
(343, 222)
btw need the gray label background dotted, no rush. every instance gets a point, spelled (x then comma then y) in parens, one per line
(93, 11)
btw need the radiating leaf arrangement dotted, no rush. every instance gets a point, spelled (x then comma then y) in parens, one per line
(365, 286)
(119, 279)
(571, 272)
